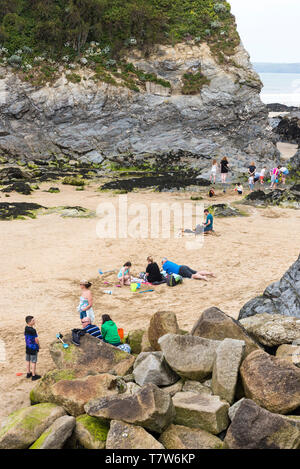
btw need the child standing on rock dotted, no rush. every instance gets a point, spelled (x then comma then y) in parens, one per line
(32, 348)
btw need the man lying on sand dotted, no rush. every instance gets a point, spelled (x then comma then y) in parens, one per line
(184, 270)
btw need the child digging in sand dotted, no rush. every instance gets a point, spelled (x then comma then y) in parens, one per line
(32, 348)
(124, 275)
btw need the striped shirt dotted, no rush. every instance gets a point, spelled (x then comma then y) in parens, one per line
(93, 330)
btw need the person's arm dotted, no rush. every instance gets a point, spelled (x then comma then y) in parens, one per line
(90, 302)
(103, 331)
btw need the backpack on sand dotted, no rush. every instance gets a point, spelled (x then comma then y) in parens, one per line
(173, 280)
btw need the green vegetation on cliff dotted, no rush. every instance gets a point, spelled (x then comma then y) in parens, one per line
(66, 26)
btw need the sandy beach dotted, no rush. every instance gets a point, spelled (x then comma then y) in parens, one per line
(43, 260)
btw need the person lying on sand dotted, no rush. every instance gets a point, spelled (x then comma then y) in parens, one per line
(124, 275)
(184, 270)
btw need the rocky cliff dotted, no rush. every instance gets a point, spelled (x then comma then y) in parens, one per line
(97, 121)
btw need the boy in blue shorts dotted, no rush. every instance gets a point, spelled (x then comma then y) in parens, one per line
(32, 348)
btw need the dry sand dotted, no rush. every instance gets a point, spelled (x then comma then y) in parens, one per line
(43, 260)
(287, 150)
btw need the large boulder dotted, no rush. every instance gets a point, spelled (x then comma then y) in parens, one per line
(124, 436)
(72, 395)
(56, 435)
(282, 297)
(179, 437)
(25, 426)
(151, 367)
(201, 411)
(256, 428)
(271, 382)
(290, 353)
(195, 386)
(272, 329)
(161, 323)
(190, 357)
(150, 408)
(216, 325)
(90, 432)
(134, 339)
(93, 355)
(42, 391)
(226, 368)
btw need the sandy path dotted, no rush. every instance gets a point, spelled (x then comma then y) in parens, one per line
(43, 260)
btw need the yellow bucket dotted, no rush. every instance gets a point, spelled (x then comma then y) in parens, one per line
(133, 287)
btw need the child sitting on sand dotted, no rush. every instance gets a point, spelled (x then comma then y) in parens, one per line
(32, 348)
(124, 275)
(239, 188)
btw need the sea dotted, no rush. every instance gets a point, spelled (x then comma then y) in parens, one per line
(283, 88)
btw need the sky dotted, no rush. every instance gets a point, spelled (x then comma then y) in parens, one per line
(269, 29)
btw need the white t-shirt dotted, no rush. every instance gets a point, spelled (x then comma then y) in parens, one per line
(214, 168)
(262, 173)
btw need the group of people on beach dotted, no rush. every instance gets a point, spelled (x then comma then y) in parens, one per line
(277, 174)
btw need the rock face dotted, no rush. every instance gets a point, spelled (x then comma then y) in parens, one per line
(56, 435)
(226, 368)
(42, 391)
(256, 428)
(72, 395)
(90, 433)
(25, 426)
(289, 198)
(190, 357)
(151, 367)
(124, 436)
(150, 408)
(161, 323)
(272, 329)
(201, 411)
(271, 382)
(86, 120)
(281, 297)
(179, 437)
(92, 355)
(216, 325)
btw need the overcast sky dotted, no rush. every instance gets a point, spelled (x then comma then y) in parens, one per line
(269, 29)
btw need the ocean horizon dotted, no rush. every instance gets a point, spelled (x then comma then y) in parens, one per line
(283, 88)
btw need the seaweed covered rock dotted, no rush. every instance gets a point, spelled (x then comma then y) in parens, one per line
(124, 436)
(151, 367)
(42, 391)
(272, 329)
(216, 325)
(11, 211)
(20, 187)
(134, 339)
(203, 411)
(190, 357)
(23, 427)
(224, 210)
(150, 408)
(271, 382)
(256, 428)
(90, 432)
(93, 355)
(282, 297)
(280, 197)
(180, 437)
(56, 435)
(161, 323)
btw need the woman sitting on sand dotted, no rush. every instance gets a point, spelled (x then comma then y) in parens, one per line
(124, 274)
(109, 331)
(85, 307)
(153, 273)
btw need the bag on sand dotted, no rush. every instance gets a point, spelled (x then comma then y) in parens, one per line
(125, 348)
(173, 280)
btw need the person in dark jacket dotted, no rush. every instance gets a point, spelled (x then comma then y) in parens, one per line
(152, 272)
(109, 331)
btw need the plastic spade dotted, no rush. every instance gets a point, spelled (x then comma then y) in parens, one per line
(59, 337)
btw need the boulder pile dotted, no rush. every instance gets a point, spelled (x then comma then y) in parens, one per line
(217, 387)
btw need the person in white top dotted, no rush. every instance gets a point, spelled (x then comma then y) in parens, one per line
(213, 172)
(284, 173)
(262, 175)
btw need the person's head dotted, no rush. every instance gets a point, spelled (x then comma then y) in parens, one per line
(279, 166)
(84, 284)
(164, 260)
(224, 159)
(85, 321)
(30, 321)
(105, 318)
(127, 264)
(214, 162)
(206, 212)
(150, 260)
(252, 163)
